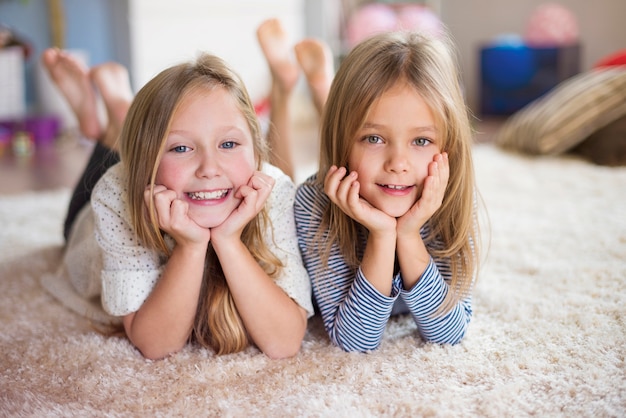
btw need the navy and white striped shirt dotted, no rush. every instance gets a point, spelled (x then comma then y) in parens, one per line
(354, 312)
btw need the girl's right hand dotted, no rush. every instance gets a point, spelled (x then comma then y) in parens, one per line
(344, 192)
(173, 218)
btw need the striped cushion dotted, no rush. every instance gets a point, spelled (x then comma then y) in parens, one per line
(568, 114)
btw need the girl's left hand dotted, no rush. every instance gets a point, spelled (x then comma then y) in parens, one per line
(432, 196)
(253, 196)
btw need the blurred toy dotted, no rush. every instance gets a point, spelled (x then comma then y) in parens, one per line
(374, 18)
(419, 18)
(550, 25)
(23, 144)
(507, 63)
(9, 38)
(369, 20)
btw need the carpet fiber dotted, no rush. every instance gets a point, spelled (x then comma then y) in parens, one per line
(548, 335)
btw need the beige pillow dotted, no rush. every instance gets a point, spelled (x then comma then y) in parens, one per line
(568, 114)
(606, 146)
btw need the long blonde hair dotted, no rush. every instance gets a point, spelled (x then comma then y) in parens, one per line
(217, 324)
(429, 65)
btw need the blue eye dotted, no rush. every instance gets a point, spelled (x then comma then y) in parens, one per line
(373, 139)
(228, 144)
(181, 148)
(422, 142)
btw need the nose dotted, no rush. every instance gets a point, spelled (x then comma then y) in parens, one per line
(207, 166)
(396, 159)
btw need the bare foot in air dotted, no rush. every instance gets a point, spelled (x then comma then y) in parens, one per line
(113, 82)
(285, 72)
(71, 77)
(277, 50)
(316, 60)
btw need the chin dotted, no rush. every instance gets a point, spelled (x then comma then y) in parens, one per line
(209, 221)
(395, 211)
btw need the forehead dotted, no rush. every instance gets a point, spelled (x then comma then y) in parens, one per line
(215, 102)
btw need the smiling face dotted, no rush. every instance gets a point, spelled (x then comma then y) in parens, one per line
(208, 155)
(392, 150)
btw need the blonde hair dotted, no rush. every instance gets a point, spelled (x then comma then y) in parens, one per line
(429, 65)
(217, 324)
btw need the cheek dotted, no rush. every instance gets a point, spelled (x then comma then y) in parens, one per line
(421, 166)
(422, 171)
(242, 169)
(355, 161)
(167, 174)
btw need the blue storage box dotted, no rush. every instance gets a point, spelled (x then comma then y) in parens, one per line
(512, 76)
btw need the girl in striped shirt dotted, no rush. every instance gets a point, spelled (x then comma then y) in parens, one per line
(388, 223)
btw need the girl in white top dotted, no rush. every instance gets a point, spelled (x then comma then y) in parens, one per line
(194, 231)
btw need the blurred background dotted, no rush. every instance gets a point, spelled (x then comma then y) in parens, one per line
(511, 51)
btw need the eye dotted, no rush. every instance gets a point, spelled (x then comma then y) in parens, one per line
(422, 142)
(373, 139)
(228, 144)
(181, 148)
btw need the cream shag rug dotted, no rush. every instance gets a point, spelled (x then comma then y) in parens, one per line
(548, 337)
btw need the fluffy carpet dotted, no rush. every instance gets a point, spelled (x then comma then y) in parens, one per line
(548, 337)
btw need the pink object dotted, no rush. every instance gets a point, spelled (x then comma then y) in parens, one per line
(370, 20)
(551, 24)
(419, 18)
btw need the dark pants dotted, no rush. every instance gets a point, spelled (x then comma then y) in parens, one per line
(101, 159)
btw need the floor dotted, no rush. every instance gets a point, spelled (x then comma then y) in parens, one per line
(59, 164)
(49, 166)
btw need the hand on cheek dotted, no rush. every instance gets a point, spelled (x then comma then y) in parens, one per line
(344, 192)
(173, 218)
(253, 196)
(433, 192)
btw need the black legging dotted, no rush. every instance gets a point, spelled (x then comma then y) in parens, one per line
(101, 159)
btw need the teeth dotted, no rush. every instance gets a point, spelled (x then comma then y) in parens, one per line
(217, 194)
(393, 186)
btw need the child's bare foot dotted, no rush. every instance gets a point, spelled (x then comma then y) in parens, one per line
(113, 82)
(72, 78)
(316, 60)
(277, 50)
(285, 73)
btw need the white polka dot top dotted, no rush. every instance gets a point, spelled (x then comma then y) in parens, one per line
(130, 270)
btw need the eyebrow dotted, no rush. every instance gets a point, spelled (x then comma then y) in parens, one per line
(418, 129)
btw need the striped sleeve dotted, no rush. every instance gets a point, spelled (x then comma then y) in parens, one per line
(423, 301)
(354, 313)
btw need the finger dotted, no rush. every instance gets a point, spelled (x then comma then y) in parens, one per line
(251, 199)
(442, 172)
(353, 199)
(434, 189)
(445, 167)
(345, 185)
(332, 179)
(148, 197)
(149, 191)
(264, 185)
(243, 191)
(178, 214)
(262, 181)
(162, 203)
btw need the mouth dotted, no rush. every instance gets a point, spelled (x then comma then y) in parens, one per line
(212, 195)
(395, 187)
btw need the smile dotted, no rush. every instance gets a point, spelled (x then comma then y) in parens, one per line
(214, 195)
(395, 186)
